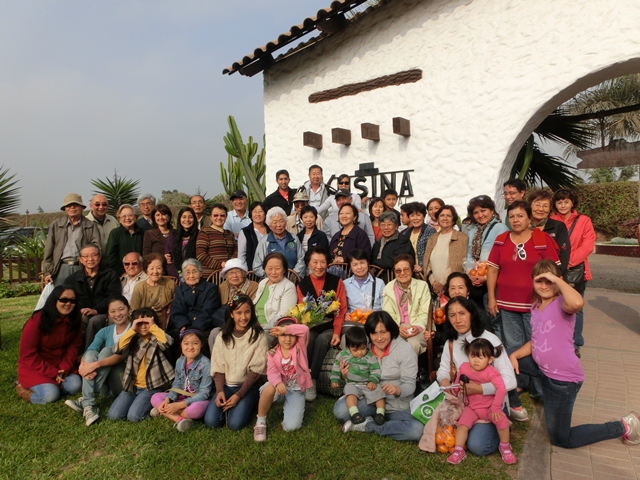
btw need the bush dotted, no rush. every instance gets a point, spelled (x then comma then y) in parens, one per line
(8, 290)
(612, 207)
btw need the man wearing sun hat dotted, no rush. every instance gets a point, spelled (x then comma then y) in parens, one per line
(65, 239)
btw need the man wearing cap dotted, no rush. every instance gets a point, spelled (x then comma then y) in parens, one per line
(65, 239)
(133, 273)
(146, 203)
(238, 218)
(199, 206)
(283, 196)
(332, 225)
(103, 221)
(294, 221)
(316, 189)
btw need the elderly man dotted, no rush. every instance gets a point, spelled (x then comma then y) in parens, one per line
(66, 237)
(146, 203)
(294, 221)
(94, 284)
(316, 189)
(238, 218)
(283, 196)
(332, 225)
(391, 243)
(199, 206)
(133, 273)
(103, 221)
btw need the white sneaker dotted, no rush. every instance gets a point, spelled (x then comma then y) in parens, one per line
(310, 393)
(352, 427)
(184, 424)
(91, 414)
(520, 415)
(74, 404)
(154, 413)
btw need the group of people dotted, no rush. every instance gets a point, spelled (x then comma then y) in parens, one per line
(134, 315)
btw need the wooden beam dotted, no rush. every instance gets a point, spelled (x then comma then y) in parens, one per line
(312, 139)
(341, 136)
(370, 131)
(619, 153)
(402, 126)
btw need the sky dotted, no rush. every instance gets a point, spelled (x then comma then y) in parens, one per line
(87, 88)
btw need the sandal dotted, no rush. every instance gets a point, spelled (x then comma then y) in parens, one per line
(357, 418)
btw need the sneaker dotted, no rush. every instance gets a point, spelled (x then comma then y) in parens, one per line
(519, 414)
(310, 393)
(154, 413)
(260, 432)
(631, 421)
(349, 426)
(507, 454)
(91, 414)
(184, 424)
(457, 456)
(378, 418)
(75, 404)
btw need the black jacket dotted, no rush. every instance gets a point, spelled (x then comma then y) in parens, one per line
(277, 200)
(317, 239)
(195, 307)
(558, 231)
(106, 283)
(391, 250)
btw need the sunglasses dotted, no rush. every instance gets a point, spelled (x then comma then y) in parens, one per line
(218, 216)
(72, 301)
(521, 253)
(98, 204)
(131, 264)
(343, 183)
(479, 198)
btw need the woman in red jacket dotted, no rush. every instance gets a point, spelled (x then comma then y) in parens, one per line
(582, 238)
(49, 347)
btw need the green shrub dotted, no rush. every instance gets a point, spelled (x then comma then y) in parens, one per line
(612, 207)
(8, 290)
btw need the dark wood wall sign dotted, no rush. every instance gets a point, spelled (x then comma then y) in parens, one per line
(407, 76)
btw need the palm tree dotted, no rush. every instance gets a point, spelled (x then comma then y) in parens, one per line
(118, 191)
(9, 199)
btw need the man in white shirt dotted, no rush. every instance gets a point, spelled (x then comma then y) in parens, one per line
(332, 226)
(238, 218)
(133, 273)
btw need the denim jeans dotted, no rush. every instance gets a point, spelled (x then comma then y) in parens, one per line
(517, 331)
(398, 425)
(133, 406)
(559, 398)
(237, 417)
(496, 322)
(50, 392)
(91, 388)
(578, 340)
(293, 408)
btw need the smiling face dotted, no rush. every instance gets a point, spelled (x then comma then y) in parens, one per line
(459, 317)
(403, 272)
(161, 219)
(127, 218)
(377, 208)
(242, 316)
(258, 215)
(235, 277)
(239, 204)
(346, 216)
(315, 177)
(274, 270)
(132, 264)
(482, 215)
(309, 220)
(287, 341)
(90, 257)
(277, 225)
(433, 208)
(218, 217)
(381, 337)
(540, 209)
(118, 312)
(191, 346)
(99, 206)
(519, 220)
(187, 220)
(388, 228)
(457, 288)
(283, 182)
(66, 303)
(191, 275)
(511, 194)
(197, 205)
(416, 219)
(564, 206)
(317, 265)
(544, 288)
(146, 206)
(445, 219)
(360, 268)
(154, 270)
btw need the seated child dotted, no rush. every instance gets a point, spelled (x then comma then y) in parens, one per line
(188, 398)
(288, 375)
(361, 370)
(478, 406)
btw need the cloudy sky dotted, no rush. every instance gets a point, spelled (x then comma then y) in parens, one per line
(89, 87)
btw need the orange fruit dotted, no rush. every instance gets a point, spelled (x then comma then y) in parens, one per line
(473, 272)
(482, 271)
(450, 429)
(443, 449)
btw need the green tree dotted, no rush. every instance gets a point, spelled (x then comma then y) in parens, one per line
(9, 198)
(174, 198)
(118, 191)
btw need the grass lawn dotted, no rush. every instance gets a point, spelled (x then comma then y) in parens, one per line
(52, 441)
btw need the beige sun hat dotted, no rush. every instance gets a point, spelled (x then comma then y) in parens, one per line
(72, 198)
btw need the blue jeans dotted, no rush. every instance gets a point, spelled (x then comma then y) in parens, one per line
(483, 439)
(293, 409)
(237, 417)
(559, 398)
(517, 331)
(91, 388)
(50, 392)
(496, 322)
(578, 340)
(133, 406)
(398, 425)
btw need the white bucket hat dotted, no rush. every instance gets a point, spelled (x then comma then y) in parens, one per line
(231, 264)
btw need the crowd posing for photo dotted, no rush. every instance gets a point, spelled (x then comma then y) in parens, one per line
(194, 319)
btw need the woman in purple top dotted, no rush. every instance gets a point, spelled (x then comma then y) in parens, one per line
(550, 356)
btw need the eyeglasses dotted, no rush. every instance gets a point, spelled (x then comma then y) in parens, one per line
(218, 216)
(91, 255)
(398, 271)
(72, 301)
(98, 204)
(521, 253)
(131, 264)
(510, 193)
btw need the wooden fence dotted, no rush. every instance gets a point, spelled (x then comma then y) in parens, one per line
(18, 269)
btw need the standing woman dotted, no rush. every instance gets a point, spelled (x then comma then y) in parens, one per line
(215, 245)
(181, 242)
(311, 236)
(155, 240)
(433, 206)
(49, 347)
(418, 232)
(251, 234)
(349, 237)
(582, 238)
(376, 207)
(126, 238)
(541, 202)
(445, 250)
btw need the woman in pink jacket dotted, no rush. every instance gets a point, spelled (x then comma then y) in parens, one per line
(582, 238)
(288, 375)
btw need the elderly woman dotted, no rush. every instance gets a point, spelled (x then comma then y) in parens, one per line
(350, 236)
(181, 242)
(445, 250)
(541, 203)
(215, 245)
(327, 334)
(251, 234)
(126, 238)
(391, 244)
(279, 240)
(418, 232)
(463, 326)
(582, 238)
(156, 292)
(276, 294)
(399, 367)
(235, 281)
(407, 300)
(49, 347)
(155, 240)
(376, 207)
(311, 236)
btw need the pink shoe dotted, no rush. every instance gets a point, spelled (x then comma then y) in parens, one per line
(507, 455)
(457, 456)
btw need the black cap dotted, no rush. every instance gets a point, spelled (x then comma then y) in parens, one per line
(237, 194)
(342, 193)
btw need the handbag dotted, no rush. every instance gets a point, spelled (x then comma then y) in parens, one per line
(575, 275)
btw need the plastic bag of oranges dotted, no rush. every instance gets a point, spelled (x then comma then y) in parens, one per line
(479, 270)
(445, 438)
(359, 316)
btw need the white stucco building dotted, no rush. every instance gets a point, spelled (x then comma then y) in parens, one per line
(481, 75)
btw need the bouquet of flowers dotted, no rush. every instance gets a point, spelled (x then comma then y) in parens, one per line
(313, 311)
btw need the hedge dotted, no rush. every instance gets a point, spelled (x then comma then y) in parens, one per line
(612, 207)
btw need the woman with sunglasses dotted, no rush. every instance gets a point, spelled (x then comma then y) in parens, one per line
(344, 183)
(49, 348)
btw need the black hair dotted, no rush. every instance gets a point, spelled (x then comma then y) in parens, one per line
(385, 319)
(464, 277)
(372, 202)
(408, 208)
(319, 250)
(220, 206)
(452, 209)
(254, 205)
(353, 209)
(476, 323)
(179, 233)
(516, 183)
(563, 194)
(435, 199)
(355, 337)
(315, 166)
(274, 341)
(344, 175)
(145, 312)
(307, 209)
(150, 257)
(482, 201)
(357, 254)
(282, 172)
(481, 347)
(118, 297)
(419, 207)
(387, 192)
(230, 324)
(277, 255)
(520, 204)
(404, 257)
(165, 210)
(49, 313)
(193, 331)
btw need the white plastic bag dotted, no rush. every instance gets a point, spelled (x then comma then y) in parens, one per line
(46, 291)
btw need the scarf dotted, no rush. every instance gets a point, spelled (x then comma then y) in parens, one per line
(476, 243)
(406, 294)
(242, 289)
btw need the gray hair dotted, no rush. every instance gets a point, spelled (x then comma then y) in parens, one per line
(192, 261)
(146, 195)
(388, 216)
(140, 259)
(90, 245)
(273, 212)
(122, 207)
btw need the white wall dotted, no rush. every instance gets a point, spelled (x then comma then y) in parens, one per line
(492, 70)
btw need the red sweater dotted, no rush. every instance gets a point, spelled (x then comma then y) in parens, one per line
(42, 355)
(582, 240)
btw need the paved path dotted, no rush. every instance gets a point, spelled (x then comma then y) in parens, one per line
(611, 361)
